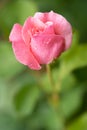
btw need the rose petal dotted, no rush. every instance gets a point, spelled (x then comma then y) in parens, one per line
(30, 27)
(47, 47)
(21, 51)
(24, 55)
(41, 16)
(61, 25)
(49, 29)
(15, 34)
(25, 30)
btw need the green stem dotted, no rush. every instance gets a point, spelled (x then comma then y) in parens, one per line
(54, 96)
(50, 76)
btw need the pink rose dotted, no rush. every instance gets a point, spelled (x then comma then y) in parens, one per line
(41, 39)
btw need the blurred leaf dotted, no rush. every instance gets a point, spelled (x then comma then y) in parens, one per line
(69, 82)
(81, 74)
(4, 96)
(8, 63)
(22, 79)
(72, 100)
(63, 84)
(26, 99)
(73, 59)
(52, 120)
(7, 122)
(48, 118)
(79, 124)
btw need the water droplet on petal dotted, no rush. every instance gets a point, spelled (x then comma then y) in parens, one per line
(48, 41)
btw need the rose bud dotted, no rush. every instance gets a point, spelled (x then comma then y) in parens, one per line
(41, 39)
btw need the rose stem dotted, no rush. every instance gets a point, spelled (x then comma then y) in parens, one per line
(54, 98)
(50, 76)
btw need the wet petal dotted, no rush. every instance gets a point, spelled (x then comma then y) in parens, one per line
(31, 27)
(47, 47)
(61, 25)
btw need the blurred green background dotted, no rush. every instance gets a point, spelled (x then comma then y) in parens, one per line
(25, 101)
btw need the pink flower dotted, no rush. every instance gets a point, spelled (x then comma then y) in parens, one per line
(41, 39)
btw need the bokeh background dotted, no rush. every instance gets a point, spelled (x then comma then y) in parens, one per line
(25, 101)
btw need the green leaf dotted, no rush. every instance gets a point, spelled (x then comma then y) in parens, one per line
(79, 124)
(69, 82)
(7, 122)
(72, 100)
(26, 99)
(53, 120)
(49, 118)
(73, 58)
(5, 96)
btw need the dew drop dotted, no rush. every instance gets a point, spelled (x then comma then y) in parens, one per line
(47, 42)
